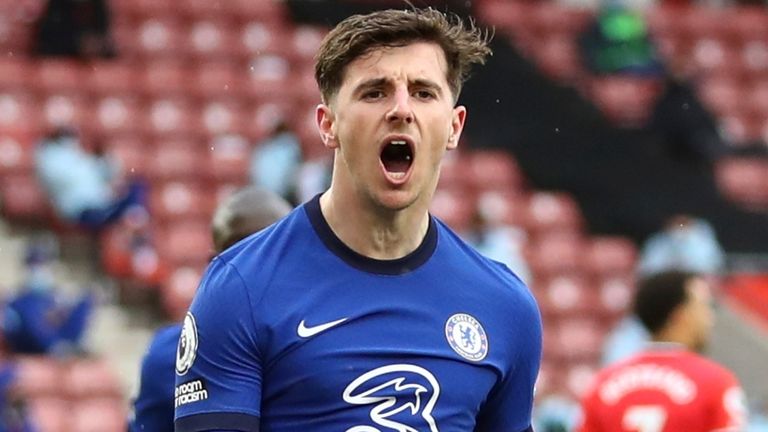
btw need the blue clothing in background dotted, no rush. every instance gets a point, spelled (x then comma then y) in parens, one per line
(74, 179)
(693, 248)
(35, 323)
(626, 339)
(275, 164)
(153, 407)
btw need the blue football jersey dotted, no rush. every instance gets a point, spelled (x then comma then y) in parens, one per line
(291, 330)
(153, 407)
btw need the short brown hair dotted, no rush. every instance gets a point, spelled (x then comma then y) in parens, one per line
(463, 44)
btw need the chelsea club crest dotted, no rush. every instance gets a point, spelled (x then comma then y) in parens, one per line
(466, 336)
(187, 348)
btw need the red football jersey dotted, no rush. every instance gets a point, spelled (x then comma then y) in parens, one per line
(664, 391)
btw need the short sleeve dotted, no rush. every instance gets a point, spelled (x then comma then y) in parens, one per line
(510, 404)
(729, 405)
(153, 407)
(218, 362)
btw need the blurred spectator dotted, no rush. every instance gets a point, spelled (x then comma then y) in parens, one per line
(556, 413)
(86, 188)
(38, 320)
(275, 162)
(626, 339)
(314, 177)
(75, 28)
(12, 409)
(500, 242)
(244, 213)
(686, 243)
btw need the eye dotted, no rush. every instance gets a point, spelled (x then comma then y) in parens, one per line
(424, 94)
(373, 95)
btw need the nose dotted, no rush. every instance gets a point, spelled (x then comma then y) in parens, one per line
(401, 110)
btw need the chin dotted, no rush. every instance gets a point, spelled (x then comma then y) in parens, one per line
(395, 200)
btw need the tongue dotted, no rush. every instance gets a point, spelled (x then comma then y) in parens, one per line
(395, 165)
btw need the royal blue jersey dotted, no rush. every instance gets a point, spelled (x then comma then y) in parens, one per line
(153, 407)
(291, 331)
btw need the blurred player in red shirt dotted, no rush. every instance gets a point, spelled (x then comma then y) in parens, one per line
(668, 387)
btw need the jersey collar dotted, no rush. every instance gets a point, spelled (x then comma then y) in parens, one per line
(397, 266)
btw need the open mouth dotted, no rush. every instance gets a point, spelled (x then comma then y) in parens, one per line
(396, 158)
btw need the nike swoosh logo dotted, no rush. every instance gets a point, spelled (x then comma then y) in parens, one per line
(306, 332)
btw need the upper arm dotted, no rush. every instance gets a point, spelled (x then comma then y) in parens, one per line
(510, 404)
(218, 363)
(729, 407)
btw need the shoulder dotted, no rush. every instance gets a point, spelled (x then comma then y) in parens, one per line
(162, 349)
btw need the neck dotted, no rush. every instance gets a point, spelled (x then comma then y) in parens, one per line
(374, 232)
(672, 336)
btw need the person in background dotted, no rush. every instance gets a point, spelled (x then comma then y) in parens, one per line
(75, 28)
(37, 320)
(86, 189)
(669, 386)
(360, 311)
(686, 243)
(242, 214)
(275, 162)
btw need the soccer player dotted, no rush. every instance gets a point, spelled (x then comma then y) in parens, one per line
(360, 312)
(668, 387)
(245, 212)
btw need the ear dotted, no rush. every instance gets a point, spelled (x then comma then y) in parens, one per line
(457, 125)
(326, 125)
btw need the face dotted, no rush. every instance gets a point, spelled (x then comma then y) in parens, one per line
(390, 123)
(699, 315)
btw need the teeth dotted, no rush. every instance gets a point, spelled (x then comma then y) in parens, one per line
(398, 142)
(397, 176)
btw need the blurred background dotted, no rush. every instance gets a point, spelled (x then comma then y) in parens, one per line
(606, 140)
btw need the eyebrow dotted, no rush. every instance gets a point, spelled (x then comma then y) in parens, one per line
(382, 82)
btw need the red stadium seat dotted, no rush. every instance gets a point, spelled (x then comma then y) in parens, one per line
(616, 294)
(503, 208)
(606, 256)
(577, 339)
(16, 151)
(110, 78)
(49, 414)
(175, 200)
(754, 56)
(15, 73)
(556, 253)
(178, 160)
(567, 295)
(506, 15)
(230, 157)
(65, 109)
(455, 171)
(269, 75)
(117, 115)
(743, 180)
(19, 110)
(579, 377)
(454, 207)
(724, 95)
(223, 117)
(306, 41)
(716, 56)
(265, 115)
(165, 78)
(272, 11)
(178, 292)
(494, 170)
(98, 415)
(131, 151)
(216, 79)
(173, 118)
(185, 242)
(23, 200)
(746, 23)
(262, 37)
(212, 39)
(550, 212)
(59, 76)
(160, 37)
(557, 56)
(91, 378)
(39, 376)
